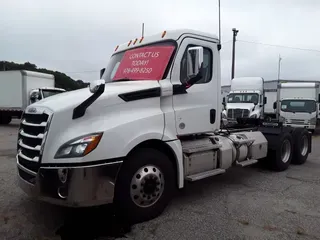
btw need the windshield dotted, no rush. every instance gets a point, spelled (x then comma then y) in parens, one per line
(243, 98)
(142, 63)
(48, 93)
(298, 106)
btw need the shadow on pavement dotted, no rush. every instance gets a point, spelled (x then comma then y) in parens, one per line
(91, 223)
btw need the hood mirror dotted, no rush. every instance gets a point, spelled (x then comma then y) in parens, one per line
(95, 85)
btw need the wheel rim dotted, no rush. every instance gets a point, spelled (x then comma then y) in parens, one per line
(285, 151)
(147, 186)
(304, 145)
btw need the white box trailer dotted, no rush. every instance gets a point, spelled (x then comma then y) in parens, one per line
(20, 88)
(297, 105)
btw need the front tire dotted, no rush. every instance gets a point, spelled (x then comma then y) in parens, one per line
(145, 185)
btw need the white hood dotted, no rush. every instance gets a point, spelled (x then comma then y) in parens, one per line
(248, 106)
(71, 99)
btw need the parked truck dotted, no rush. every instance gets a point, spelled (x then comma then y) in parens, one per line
(245, 100)
(296, 104)
(150, 124)
(18, 89)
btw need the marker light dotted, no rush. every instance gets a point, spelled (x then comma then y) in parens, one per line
(163, 34)
(116, 48)
(135, 41)
(141, 39)
(129, 43)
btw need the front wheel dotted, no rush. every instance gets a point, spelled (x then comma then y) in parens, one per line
(145, 185)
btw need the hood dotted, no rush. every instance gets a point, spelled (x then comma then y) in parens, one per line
(248, 106)
(71, 99)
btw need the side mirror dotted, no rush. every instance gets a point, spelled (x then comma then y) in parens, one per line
(94, 86)
(264, 100)
(102, 72)
(275, 105)
(194, 61)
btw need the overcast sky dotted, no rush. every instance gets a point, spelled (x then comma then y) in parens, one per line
(78, 37)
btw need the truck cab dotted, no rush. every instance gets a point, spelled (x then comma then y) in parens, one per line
(298, 104)
(137, 134)
(44, 92)
(246, 99)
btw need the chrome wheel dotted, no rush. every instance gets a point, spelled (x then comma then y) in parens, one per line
(147, 186)
(285, 151)
(304, 145)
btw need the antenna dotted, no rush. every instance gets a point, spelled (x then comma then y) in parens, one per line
(142, 34)
(219, 45)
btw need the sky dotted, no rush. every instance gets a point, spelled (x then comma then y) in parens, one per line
(78, 37)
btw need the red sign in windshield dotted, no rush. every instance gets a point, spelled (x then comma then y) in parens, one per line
(146, 63)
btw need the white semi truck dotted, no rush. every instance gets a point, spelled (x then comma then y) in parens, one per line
(150, 124)
(297, 105)
(245, 99)
(20, 88)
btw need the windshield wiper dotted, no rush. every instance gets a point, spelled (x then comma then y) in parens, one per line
(122, 80)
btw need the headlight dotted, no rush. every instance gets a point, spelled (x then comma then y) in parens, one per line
(224, 115)
(79, 147)
(253, 116)
(313, 120)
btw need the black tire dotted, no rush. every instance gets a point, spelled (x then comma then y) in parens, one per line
(301, 146)
(280, 161)
(5, 120)
(126, 208)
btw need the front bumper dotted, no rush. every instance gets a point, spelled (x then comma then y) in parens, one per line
(85, 186)
(307, 126)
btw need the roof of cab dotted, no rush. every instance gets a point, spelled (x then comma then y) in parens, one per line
(165, 35)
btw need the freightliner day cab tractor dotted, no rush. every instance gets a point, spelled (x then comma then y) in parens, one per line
(150, 124)
(245, 100)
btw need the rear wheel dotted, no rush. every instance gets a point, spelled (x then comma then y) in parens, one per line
(281, 157)
(145, 185)
(301, 146)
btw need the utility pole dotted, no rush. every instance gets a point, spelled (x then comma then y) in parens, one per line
(235, 32)
(279, 68)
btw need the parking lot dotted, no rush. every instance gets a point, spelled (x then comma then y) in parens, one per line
(245, 203)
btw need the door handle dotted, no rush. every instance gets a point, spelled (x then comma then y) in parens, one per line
(212, 116)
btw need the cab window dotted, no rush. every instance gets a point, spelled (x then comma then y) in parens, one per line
(207, 64)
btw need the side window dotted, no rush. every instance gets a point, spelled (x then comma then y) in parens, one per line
(207, 64)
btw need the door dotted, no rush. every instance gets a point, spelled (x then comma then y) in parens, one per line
(196, 109)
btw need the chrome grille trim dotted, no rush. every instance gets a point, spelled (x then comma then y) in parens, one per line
(32, 135)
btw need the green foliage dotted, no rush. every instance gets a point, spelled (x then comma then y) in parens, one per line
(61, 80)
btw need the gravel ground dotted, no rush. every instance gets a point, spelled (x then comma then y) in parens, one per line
(245, 203)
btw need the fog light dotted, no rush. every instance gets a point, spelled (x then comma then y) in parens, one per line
(63, 175)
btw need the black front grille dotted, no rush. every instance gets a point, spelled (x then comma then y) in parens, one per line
(33, 166)
(238, 113)
(30, 140)
(27, 177)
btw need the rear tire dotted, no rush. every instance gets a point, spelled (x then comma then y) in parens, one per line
(145, 185)
(301, 146)
(281, 157)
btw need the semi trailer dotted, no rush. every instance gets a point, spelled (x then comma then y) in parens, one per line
(150, 124)
(20, 88)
